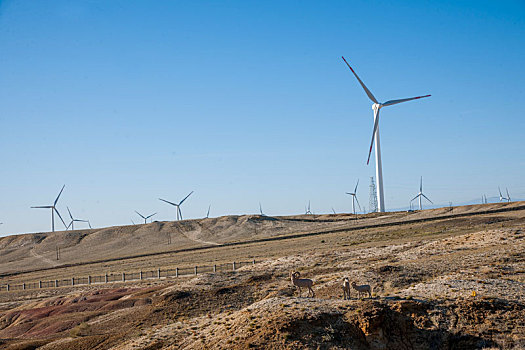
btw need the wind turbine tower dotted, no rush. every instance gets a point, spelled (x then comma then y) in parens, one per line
(376, 107)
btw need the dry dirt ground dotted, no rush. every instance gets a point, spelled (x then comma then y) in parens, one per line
(449, 283)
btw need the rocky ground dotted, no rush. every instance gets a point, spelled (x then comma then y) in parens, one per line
(444, 289)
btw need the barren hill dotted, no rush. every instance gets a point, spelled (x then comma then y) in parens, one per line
(449, 278)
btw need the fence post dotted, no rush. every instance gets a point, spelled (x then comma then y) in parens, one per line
(176, 272)
(195, 269)
(254, 261)
(39, 284)
(106, 278)
(158, 273)
(56, 283)
(24, 286)
(72, 281)
(214, 268)
(123, 277)
(89, 279)
(8, 287)
(234, 266)
(140, 275)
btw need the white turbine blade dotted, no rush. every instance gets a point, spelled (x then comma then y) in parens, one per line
(369, 94)
(44, 207)
(179, 212)
(71, 223)
(147, 217)
(185, 198)
(427, 198)
(89, 223)
(357, 202)
(56, 200)
(55, 209)
(351, 194)
(140, 214)
(208, 213)
(376, 123)
(395, 102)
(419, 194)
(168, 202)
(508, 195)
(421, 184)
(71, 216)
(355, 190)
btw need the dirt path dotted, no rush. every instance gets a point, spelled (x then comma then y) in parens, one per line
(43, 258)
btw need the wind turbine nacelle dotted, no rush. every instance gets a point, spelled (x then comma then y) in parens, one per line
(377, 106)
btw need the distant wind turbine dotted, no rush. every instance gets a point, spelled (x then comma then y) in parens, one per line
(307, 210)
(501, 198)
(75, 220)
(420, 194)
(145, 217)
(260, 209)
(354, 197)
(53, 210)
(177, 205)
(375, 136)
(333, 210)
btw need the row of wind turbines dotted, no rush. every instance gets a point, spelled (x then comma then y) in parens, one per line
(420, 197)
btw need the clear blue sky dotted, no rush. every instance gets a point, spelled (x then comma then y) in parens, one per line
(247, 102)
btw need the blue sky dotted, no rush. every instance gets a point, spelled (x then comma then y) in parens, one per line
(247, 102)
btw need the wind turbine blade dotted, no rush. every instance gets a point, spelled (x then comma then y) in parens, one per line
(416, 197)
(427, 198)
(71, 216)
(55, 209)
(147, 217)
(260, 208)
(508, 195)
(208, 213)
(89, 223)
(359, 205)
(349, 193)
(140, 214)
(180, 212)
(67, 228)
(369, 94)
(421, 184)
(167, 202)
(56, 200)
(376, 123)
(44, 207)
(395, 102)
(185, 198)
(355, 190)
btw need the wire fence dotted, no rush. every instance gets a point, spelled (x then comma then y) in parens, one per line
(126, 276)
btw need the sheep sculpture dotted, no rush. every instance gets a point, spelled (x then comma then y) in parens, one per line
(302, 283)
(364, 288)
(346, 289)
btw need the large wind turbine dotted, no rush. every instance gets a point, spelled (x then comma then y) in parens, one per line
(354, 197)
(145, 217)
(375, 135)
(420, 194)
(73, 220)
(177, 205)
(53, 210)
